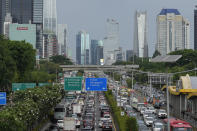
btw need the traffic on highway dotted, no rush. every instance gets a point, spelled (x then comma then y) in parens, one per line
(89, 110)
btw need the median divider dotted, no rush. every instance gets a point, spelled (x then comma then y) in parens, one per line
(122, 123)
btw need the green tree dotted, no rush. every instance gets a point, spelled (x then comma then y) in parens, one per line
(7, 66)
(24, 57)
(156, 53)
(59, 59)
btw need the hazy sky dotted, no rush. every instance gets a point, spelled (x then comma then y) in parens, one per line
(91, 15)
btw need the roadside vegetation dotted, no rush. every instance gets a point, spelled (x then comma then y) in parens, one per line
(187, 62)
(29, 107)
(125, 123)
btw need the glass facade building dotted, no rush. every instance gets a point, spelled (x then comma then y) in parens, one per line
(140, 46)
(82, 48)
(21, 11)
(173, 31)
(25, 32)
(50, 16)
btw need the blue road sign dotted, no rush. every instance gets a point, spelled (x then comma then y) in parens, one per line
(2, 98)
(96, 84)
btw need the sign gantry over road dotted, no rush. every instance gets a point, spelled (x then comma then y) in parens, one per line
(96, 84)
(73, 83)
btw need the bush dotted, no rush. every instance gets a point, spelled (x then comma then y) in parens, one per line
(29, 106)
(125, 123)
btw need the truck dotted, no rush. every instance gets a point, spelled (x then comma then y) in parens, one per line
(69, 124)
(77, 108)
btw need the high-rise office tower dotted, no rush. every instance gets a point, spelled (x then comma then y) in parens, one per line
(99, 53)
(82, 48)
(111, 41)
(96, 52)
(93, 53)
(21, 11)
(62, 39)
(4, 10)
(6, 25)
(50, 16)
(195, 28)
(129, 55)
(38, 20)
(140, 46)
(173, 31)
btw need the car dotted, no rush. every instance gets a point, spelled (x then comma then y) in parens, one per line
(151, 109)
(142, 110)
(149, 121)
(158, 126)
(107, 126)
(140, 122)
(143, 128)
(162, 113)
(53, 127)
(60, 124)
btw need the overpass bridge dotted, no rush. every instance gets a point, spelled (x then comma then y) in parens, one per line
(97, 67)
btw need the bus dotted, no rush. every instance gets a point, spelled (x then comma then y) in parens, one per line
(177, 125)
(59, 112)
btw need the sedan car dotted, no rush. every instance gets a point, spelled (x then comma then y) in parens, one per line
(158, 126)
(148, 121)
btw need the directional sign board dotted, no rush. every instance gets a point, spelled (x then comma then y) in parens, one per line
(2, 98)
(73, 83)
(96, 84)
(22, 86)
(43, 84)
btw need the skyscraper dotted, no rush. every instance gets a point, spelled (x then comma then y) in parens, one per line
(195, 28)
(82, 48)
(4, 10)
(173, 31)
(21, 11)
(99, 53)
(111, 41)
(38, 20)
(93, 53)
(50, 16)
(140, 46)
(62, 39)
(129, 55)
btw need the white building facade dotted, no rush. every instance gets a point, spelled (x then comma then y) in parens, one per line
(140, 46)
(173, 31)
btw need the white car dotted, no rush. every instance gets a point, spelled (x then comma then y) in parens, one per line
(162, 113)
(77, 123)
(142, 110)
(151, 109)
(158, 126)
(60, 124)
(148, 121)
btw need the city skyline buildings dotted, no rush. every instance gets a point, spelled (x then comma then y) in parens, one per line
(82, 48)
(62, 39)
(50, 17)
(21, 11)
(111, 41)
(140, 44)
(173, 31)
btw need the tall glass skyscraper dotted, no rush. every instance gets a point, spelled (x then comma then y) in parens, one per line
(173, 31)
(5, 7)
(50, 16)
(21, 11)
(62, 39)
(82, 48)
(111, 41)
(140, 46)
